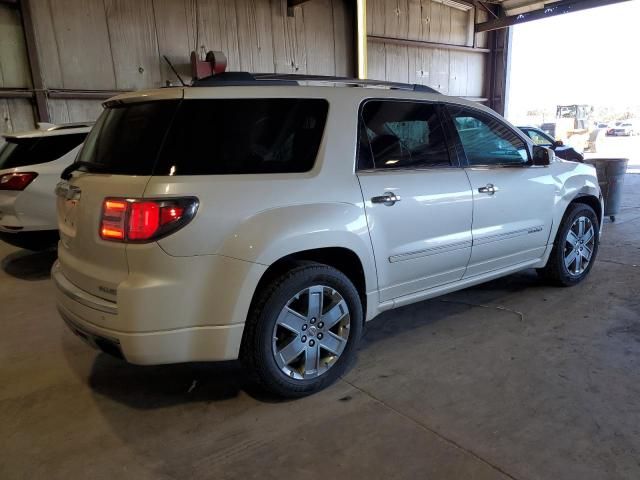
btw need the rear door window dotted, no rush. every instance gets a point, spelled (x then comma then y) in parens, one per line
(401, 134)
(21, 152)
(244, 136)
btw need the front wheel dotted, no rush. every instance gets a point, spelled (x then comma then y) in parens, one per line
(303, 330)
(575, 248)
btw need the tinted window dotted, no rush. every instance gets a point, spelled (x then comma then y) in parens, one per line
(539, 138)
(126, 139)
(396, 134)
(235, 136)
(486, 140)
(20, 152)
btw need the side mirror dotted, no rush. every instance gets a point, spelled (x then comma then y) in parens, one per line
(559, 143)
(542, 156)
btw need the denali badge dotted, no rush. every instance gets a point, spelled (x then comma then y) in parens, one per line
(110, 291)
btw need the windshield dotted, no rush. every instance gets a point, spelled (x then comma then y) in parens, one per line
(539, 137)
(20, 152)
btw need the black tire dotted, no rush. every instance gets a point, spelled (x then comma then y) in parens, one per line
(555, 271)
(37, 241)
(257, 349)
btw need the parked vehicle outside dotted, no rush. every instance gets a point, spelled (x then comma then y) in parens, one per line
(30, 167)
(539, 137)
(623, 129)
(270, 222)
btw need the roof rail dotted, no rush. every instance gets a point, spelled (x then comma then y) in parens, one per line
(416, 87)
(248, 79)
(235, 79)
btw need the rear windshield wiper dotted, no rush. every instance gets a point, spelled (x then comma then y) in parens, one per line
(66, 173)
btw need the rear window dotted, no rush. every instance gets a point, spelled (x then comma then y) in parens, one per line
(207, 137)
(21, 152)
(126, 139)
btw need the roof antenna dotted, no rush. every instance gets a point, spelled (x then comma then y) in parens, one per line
(174, 70)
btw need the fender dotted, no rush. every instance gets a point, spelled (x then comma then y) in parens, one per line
(577, 182)
(275, 233)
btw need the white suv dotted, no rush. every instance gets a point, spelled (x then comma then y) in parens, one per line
(30, 167)
(270, 222)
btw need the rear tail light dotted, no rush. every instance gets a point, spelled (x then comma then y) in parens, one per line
(139, 221)
(16, 181)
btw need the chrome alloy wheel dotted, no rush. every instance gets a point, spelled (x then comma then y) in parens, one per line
(311, 332)
(579, 245)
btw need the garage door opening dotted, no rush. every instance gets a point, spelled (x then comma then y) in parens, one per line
(575, 76)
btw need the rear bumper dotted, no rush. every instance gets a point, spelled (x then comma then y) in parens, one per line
(82, 311)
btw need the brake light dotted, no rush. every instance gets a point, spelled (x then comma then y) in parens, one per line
(133, 220)
(144, 220)
(16, 181)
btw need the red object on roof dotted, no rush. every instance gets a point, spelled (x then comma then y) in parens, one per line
(213, 64)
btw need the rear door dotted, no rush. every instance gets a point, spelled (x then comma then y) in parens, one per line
(118, 157)
(513, 201)
(417, 201)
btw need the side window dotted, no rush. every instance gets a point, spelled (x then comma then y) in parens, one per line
(397, 134)
(486, 140)
(244, 136)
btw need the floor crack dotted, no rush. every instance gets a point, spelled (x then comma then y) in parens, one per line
(496, 307)
(618, 263)
(430, 430)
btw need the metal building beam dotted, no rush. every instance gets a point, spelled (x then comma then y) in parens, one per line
(42, 110)
(558, 8)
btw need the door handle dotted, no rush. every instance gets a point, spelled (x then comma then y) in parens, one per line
(489, 189)
(389, 199)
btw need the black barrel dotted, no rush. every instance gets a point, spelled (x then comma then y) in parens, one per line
(610, 173)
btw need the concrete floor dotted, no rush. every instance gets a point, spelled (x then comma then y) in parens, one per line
(512, 379)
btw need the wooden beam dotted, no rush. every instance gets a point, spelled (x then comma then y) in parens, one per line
(361, 38)
(85, 94)
(67, 94)
(551, 10)
(481, 4)
(423, 44)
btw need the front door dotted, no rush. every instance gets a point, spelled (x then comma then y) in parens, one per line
(418, 201)
(513, 201)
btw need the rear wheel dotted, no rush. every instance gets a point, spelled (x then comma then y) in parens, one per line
(575, 248)
(303, 330)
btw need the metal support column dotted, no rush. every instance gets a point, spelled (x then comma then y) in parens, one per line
(42, 110)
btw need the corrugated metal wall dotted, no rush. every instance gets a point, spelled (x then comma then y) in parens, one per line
(113, 45)
(15, 113)
(118, 45)
(403, 38)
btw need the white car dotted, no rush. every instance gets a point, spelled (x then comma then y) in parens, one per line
(30, 167)
(624, 129)
(270, 222)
